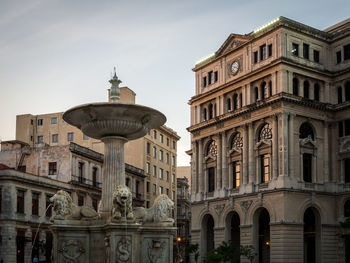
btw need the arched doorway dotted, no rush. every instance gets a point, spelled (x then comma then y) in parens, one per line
(311, 235)
(262, 235)
(207, 235)
(233, 233)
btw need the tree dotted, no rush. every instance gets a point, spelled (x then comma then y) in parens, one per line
(248, 252)
(193, 249)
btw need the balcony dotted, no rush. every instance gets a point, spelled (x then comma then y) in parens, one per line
(85, 182)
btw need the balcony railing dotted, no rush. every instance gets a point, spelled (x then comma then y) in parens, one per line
(85, 181)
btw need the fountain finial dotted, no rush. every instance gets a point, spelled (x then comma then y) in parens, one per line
(115, 90)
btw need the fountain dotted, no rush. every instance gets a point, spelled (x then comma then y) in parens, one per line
(117, 233)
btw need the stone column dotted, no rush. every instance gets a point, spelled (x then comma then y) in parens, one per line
(8, 247)
(245, 154)
(275, 148)
(200, 166)
(251, 154)
(283, 135)
(28, 246)
(113, 171)
(291, 144)
(219, 163)
(326, 154)
(224, 170)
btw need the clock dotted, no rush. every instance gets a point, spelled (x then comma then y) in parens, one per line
(234, 67)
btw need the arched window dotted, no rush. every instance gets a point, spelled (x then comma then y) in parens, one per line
(237, 141)
(270, 88)
(265, 132)
(256, 93)
(305, 131)
(347, 208)
(306, 89)
(317, 92)
(212, 148)
(210, 111)
(262, 90)
(340, 95)
(347, 91)
(235, 101)
(295, 86)
(205, 114)
(312, 229)
(228, 104)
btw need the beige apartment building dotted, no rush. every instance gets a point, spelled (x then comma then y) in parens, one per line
(156, 153)
(270, 135)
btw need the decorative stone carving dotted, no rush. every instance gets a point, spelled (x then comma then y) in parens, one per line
(219, 209)
(245, 205)
(155, 251)
(160, 212)
(307, 140)
(122, 203)
(206, 206)
(124, 250)
(71, 250)
(232, 202)
(260, 198)
(65, 208)
(107, 250)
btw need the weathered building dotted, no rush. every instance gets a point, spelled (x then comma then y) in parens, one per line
(156, 153)
(270, 134)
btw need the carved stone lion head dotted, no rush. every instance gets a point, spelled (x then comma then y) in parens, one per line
(122, 196)
(62, 203)
(163, 206)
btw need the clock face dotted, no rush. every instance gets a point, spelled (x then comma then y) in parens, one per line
(234, 67)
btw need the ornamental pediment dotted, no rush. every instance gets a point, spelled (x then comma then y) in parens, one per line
(308, 142)
(262, 143)
(232, 42)
(235, 150)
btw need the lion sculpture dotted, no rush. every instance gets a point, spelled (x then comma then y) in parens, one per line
(160, 212)
(65, 208)
(122, 203)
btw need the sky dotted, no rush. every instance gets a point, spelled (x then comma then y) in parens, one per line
(56, 54)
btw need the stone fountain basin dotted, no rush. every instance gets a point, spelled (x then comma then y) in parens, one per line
(98, 120)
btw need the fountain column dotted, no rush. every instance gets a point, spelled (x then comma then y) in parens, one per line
(113, 169)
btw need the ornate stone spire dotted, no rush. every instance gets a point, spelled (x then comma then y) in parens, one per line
(115, 90)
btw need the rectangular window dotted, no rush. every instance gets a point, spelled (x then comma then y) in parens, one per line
(262, 52)
(161, 138)
(20, 201)
(204, 82)
(147, 187)
(340, 129)
(154, 171)
(236, 168)
(31, 122)
(167, 176)
(154, 189)
(173, 178)
(161, 173)
(174, 145)
(148, 148)
(295, 49)
(52, 168)
(173, 195)
(80, 200)
(347, 127)
(338, 55)
(85, 137)
(210, 77)
(94, 177)
(264, 168)
(347, 170)
(167, 192)
(167, 141)
(40, 122)
(54, 120)
(54, 137)
(306, 51)
(317, 56)
(255, 57)
(70, 136)
(173, 160)
(211, 179)
(154, 152)
(340, 94)
(40, 139)
(161, 155)
(160, 190)
(95, 204)
(31, 138)
(35, 204)
(270, 50)
(148, 168)
(347, 52)
(81, 172)
(155, 135)
(147, 204)
(307, 164)
(216, 77)
(48, 212)
(167, 158)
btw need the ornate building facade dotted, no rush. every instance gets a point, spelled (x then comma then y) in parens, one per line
(270, 135)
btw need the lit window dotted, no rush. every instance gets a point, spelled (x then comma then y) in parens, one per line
(70, 136)
(54, 120)
(236, 174)
(265, 168)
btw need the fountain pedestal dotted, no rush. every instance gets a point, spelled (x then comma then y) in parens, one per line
(111, 238)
